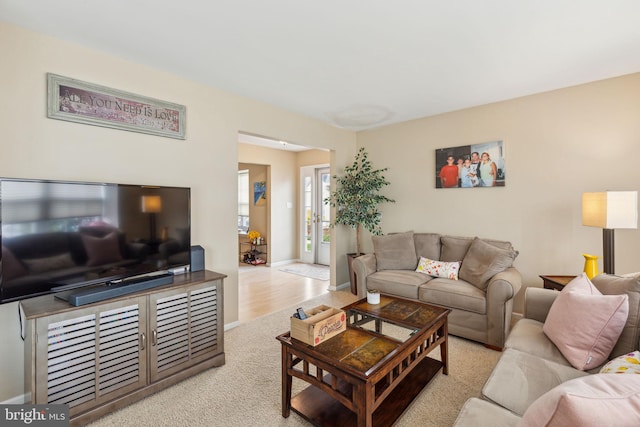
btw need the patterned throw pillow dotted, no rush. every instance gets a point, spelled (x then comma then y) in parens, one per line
(625, 364)
(448, 270)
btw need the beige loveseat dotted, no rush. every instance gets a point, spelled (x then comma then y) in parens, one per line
(481, 299)
(533, 374)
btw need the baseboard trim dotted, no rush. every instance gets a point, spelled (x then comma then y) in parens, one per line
(340, 287)
(18, 400)
(228, 326)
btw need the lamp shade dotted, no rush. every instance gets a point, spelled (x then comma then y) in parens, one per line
(151, 204)
(610, 209)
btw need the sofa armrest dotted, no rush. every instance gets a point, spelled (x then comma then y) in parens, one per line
(537, 302)
(501, 290)
(363, 266)
(504, 285)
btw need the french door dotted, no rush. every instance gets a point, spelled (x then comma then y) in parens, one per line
(315, 243)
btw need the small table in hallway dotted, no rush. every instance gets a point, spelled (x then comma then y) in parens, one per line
(369, 374)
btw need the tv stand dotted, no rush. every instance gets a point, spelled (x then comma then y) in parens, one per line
(105, 355)
(115, 288)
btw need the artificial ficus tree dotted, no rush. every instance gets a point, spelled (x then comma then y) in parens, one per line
(357, 196)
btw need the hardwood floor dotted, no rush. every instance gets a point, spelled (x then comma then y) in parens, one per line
(263, 290)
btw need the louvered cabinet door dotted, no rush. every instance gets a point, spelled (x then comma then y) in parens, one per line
(89, 356)
(184, 328)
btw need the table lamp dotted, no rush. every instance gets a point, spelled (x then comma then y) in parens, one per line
(610, 210)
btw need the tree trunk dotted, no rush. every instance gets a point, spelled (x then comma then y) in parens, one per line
(358, 229)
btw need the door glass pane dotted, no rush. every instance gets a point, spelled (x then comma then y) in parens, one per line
(307, 213)
(326, 215)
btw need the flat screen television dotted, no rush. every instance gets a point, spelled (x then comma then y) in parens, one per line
(60, 235)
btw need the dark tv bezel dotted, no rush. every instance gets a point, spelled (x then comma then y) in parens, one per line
(94, 282)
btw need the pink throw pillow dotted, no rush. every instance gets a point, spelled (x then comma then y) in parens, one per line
(584, 324)
(594, 400)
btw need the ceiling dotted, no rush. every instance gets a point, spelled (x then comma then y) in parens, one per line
(244, 138)
(357, 64)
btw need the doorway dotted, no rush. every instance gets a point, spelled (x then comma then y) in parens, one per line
(315, 242)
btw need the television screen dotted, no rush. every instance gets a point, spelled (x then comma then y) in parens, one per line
(62, 235)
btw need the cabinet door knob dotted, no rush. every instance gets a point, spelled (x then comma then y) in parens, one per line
(143, 341)
(154, 337)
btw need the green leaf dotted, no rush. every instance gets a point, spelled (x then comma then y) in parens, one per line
(357, 197)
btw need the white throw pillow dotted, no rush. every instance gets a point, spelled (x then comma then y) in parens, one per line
(448, 270)
(625, 364)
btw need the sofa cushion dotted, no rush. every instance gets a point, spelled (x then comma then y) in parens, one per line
(447, 270)
(11, 267)
(626, 364)
(54, 262)
(483, 261)
(402, 283)
(629, 284)
(527, 336)
(477, 412)
(454, 248)
(102, 250)
(454, 294)
(584, 324)
(518, 379)
(594, 400)
(395, 251)
(427, 245)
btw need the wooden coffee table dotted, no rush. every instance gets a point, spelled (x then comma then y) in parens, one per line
(369, 374)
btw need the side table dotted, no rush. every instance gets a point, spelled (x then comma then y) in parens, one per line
(556, 282)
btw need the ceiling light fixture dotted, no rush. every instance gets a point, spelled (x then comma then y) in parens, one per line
(360, 116)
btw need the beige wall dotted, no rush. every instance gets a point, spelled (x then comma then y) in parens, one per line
(34, 146)
(282, 190)
(258, 214)
(557, 146)
(313, 157)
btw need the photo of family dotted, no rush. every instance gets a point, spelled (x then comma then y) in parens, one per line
(470, 166)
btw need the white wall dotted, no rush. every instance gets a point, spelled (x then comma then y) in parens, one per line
(557, 145)
(33, 146)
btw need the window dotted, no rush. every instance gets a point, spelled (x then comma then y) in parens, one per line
(243, 201)
(31, 207)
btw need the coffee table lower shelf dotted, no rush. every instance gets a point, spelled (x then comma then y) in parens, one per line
(320, 409)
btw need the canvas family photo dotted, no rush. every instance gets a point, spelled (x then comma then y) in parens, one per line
(471, 166)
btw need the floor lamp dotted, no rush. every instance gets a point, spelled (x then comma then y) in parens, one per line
(610, 210)
(152, 205)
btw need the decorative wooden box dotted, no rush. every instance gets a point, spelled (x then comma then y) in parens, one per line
(322, 323)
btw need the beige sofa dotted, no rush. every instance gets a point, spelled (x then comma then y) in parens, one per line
(533, 371)
(481, 299)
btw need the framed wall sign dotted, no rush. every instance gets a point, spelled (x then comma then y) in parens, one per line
(471, 166)
(81, 102)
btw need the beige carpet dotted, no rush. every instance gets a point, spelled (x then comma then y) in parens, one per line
(246, 390)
